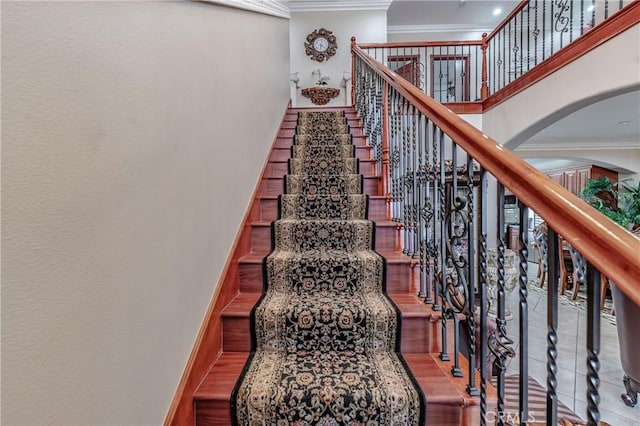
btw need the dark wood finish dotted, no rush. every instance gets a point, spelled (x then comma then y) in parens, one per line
(574, 179)
(617, 24)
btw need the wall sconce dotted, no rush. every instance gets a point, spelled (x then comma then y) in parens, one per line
(345, 78)
(295, 78)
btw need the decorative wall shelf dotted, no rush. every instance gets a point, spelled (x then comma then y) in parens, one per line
(320, 95)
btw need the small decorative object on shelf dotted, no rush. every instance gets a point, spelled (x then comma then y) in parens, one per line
(320, 45)
(320, 95)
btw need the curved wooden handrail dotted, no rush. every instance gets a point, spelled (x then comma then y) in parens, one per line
(421, 44)
(506, 20)
(603, 243)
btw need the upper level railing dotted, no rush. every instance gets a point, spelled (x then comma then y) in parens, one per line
(445, 183)
(469, 71)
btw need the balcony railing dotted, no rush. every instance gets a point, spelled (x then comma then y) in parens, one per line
(445, 182)
(469, 71)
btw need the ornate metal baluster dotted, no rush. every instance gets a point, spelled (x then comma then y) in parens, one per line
(435, 196)
(472, 287)
(454, 285)
(428, 212)
(552, 326)
(500, 342)
(420, 212)
(593, 347)
(442, 200)
(524, 315)
(482, 255)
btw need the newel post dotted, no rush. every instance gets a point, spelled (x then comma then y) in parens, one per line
(353, 72)
(484, 90)
(385, 147)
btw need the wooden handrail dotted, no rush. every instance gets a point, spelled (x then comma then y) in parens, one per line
(508, 18)
(603, 243)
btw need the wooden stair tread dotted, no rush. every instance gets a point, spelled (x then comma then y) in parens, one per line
(241, 305)
(437, 384)
(219, 383)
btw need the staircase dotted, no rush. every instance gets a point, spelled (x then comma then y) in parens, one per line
(447, 402)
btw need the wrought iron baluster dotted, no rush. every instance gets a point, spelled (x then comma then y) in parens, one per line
(482, 255)
(552, 326)
(524, 315)
(500, 343)
(472, 287)
(420, 197)
(435, 196)
(544, 13)
(414, 167)
(593, 347)
(456, 278)
(442, 188)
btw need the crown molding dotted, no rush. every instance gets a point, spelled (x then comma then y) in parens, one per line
(582, 145)
(442, 28)
(267, 7)
(337, 5)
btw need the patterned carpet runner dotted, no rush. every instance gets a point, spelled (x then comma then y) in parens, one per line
(325, 336)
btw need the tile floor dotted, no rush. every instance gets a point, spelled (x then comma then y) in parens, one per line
(571, 373)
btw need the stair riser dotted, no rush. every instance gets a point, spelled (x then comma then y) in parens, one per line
(283, 154)
(261, 238)
(286, 133)
(269, 209)
(275, 186)
(418, 335)
(277, 169)
(441, 413)
(286, 142)
(250, 276)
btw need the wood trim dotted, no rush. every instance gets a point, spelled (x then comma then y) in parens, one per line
(508, 18)
(621, 21)
(464, 107)
(605, 244)
(420, 44)
(208, 345)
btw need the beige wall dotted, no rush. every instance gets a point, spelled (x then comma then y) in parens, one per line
(133, 135)
(367, 26)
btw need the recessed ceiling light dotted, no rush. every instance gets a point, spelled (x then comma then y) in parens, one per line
(624, 123)
(497, 11)
(590, 8)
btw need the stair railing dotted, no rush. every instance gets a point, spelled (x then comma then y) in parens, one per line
(472, 70)
(445, 184)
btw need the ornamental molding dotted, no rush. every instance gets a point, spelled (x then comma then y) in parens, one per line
(267, 7)
(581, 145)
(337, 5)
(442, 28)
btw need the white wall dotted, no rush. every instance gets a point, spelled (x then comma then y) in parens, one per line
(133, 135)
(366, 26)
(435, 36)
(586, 78)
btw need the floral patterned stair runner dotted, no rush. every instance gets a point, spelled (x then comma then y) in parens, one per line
(325, 336)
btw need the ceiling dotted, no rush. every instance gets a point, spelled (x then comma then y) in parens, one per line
(592, 125)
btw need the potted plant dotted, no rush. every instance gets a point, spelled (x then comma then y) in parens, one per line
(623, 207)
